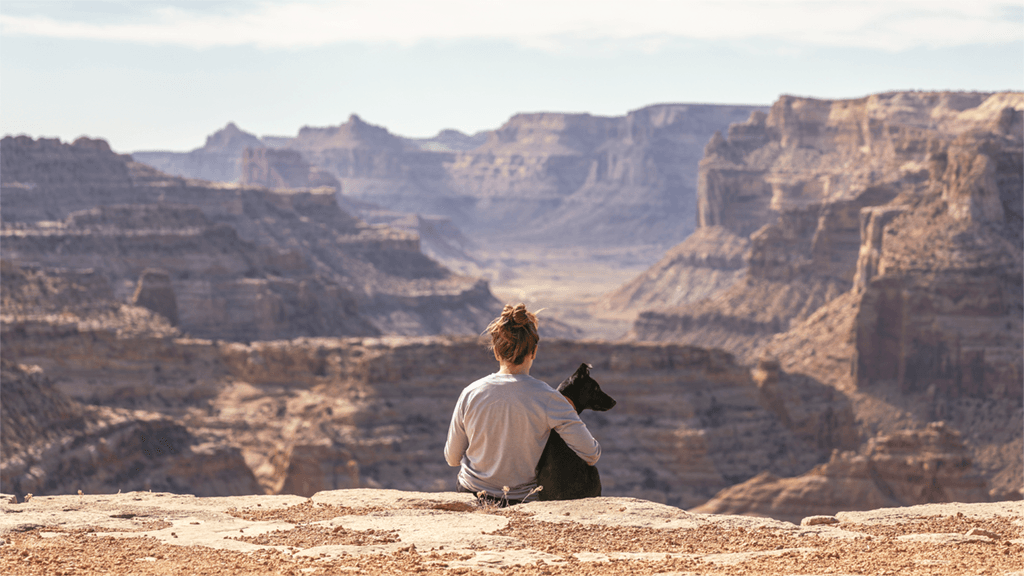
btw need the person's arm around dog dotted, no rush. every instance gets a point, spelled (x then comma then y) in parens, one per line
(501, 422)
(562, 418)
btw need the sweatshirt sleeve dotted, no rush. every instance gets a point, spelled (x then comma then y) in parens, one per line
(564, 420)
(457, 443)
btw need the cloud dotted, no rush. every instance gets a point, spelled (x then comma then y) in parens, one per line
(543, 24)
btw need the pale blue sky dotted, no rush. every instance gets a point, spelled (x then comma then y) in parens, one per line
(164, 75)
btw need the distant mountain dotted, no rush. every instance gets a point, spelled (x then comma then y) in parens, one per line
(572, 179)
(884, 260)
(219, 160)
(451, 141)
(234, 262)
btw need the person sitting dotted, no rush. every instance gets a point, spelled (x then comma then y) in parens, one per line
(502, 421)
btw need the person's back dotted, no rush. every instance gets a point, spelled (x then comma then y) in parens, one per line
(501, 422)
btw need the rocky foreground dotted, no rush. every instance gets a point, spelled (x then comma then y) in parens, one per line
(395, 532)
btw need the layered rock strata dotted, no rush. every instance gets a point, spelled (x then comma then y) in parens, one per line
(901, 469)
(219, 160)
(550, 176)
(244, 262)
(315, 414)
(282, 169)
(55, 445)
(798, 180)
(885, 261)
(706, 263)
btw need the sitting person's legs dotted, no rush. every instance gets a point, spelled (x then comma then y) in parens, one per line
(485, 498)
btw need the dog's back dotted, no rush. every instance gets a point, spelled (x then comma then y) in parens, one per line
(563, 474)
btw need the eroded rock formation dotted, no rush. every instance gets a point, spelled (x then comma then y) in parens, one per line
(243, 262)
(219, 160)
(314, 414)
(551, 176)
(801, 180)
(900, 469)
(55, 445)
(282, 169)
(885, 261)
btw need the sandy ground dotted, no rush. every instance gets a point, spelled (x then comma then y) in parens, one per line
(393, 532)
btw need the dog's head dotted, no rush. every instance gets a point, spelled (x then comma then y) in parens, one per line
(585, 392)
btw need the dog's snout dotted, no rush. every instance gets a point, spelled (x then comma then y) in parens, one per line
(607, 403)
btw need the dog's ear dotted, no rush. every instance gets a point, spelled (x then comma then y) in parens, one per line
(584, 369)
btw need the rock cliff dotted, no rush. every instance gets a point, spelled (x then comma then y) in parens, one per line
(243, 262)
(219, 160)
(567, 177)
(314, 414)
(800, 181)
(561, 177)
(54, 445)
(902, 469)
(706, 263)
(317, 414)
(282, 169)
(884, 261)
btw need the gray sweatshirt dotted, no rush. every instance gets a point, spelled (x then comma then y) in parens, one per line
(499, 428)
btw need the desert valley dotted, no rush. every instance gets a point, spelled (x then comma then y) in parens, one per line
(804, 308)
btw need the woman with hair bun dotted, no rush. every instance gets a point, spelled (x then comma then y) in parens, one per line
(502, 422)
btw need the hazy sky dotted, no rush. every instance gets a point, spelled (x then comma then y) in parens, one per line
(164, 75)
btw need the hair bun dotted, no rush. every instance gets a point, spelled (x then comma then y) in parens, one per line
(520, 317)
(514, 334)
(517, 316)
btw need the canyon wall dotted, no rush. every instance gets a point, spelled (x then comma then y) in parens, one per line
(902, 469)
(244, 262)
(799, 180)
(55, 445)
(316, 414)
(219, 160)
(551, 176)
(573, 178)
(884, 261)
(273, 168)
(320, 413)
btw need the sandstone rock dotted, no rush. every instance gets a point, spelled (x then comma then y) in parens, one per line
(885, 254)
(243, 262)
(817, 520)
(392, 532)
(906, 468)
(449, 140)
(706, 263)
(220, 159)
(798, 180)
(317, 467)
(571, 177)
(982, 532)
(155, 292)
(314, 413)
(53, 444)
(282, 169)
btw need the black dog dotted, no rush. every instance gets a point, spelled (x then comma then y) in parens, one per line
(563, 474)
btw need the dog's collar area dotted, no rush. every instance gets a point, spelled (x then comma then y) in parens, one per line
(569, 400)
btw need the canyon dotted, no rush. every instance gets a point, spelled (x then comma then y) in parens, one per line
(244, 262)
(530, 206)
(881, 256)
(550, 177)
(835, 321)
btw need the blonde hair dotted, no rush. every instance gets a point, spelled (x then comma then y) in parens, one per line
(514, 334)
